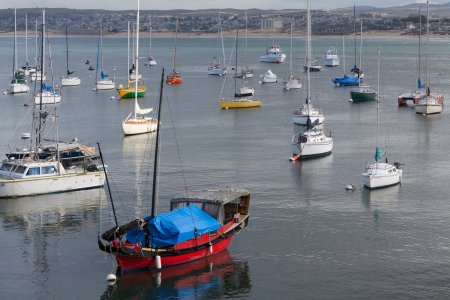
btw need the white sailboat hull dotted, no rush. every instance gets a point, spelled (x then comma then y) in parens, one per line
(17, 88)
(430, 105)
(105, 84)
(273, 58)
(139, 126)
(51, 184)
(302, 119)
(313, 149)
(47, 98)
(217, 71)
(377, 177)
(70, 81)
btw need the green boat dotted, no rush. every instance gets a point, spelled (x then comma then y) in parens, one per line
(363, 93)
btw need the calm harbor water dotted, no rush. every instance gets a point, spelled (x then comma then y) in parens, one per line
(307, 238)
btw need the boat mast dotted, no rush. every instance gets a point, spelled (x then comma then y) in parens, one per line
(290, 59)
(128, 51)
(41, 114)
(150, 34)
(246, 43)
(343, 52)
(98, 50)
(360, 57)
(354, 32)
(26, 40)
(36, 44)
(221, 37)
(378, 96)
(235, 65)
(427, 83)
(107, 184)
(308, 54)
(136, 62)
(155, 164)
(14, 50)
(419, 83)
(67, 53)
(175, 46)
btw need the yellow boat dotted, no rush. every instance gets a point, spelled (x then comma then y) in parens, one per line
(129, 91)
(240, 103)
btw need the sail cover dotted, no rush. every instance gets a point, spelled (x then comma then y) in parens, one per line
(179, 225)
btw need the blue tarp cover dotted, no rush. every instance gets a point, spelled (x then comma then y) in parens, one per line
(179, 225)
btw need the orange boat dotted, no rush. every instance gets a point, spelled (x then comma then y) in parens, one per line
(174, 77)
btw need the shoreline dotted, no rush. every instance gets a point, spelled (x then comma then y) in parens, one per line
(232, 33)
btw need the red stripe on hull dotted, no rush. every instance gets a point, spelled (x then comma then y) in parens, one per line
(127, 262)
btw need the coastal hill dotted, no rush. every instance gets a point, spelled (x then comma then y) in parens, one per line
(399, 19)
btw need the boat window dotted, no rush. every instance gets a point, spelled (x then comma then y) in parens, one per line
(6, 167)
(48, 170)
(19, 169)
(211, 209)
(34, 171)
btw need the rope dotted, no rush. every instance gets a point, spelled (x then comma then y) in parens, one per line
(226, 75)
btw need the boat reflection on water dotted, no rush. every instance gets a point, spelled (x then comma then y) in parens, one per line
(217, 276)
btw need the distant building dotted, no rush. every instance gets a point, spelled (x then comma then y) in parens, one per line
(272, 23)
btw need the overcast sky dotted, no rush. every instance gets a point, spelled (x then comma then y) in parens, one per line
(199, 4)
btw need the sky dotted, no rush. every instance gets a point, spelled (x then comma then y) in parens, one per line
(199, 4)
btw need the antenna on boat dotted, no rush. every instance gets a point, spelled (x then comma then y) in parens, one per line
(107, 184)
(155, 165)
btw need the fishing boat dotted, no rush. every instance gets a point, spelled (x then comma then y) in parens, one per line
(274, 54)
(291, 82)
(379, 174)
(312, 142)
(18, 84)
(242, 96)
(174, 78)
(104, 82)
(345, 80)
(30, 173)
(198, 225)
(69, 80)
(363, 92)
(217, 67)
(138, 122)
(430, 103)
(331, 58)
(133, 88)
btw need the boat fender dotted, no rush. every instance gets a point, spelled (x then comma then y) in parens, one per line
(295, 157)
(158, 262)
(111, 278)
(210, 248)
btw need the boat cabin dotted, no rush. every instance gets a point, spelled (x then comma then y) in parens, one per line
(13, 169)
(221, 204)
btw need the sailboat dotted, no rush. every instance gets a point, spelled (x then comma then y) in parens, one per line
(345, 80)
(151, 61)
(313, 142)
(69, 80)
(139, 123)
(217, 67)
(104, 83)
(27, 69)
(18, 84)
(244, 91)
(129, 91)
(246, 71)
(31, 172)
(197, 226)
(291, 82)
(357, 72)
(379, 174)
(362, 92)
(175, 77)
(46, 94)
(429, 103)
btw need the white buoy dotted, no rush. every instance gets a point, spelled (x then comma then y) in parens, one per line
(349, 187)
(94, 89)
(350, 100)
(111, 278)
(158, 262)
(5, 93)
(210, 248)
(112, 97)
